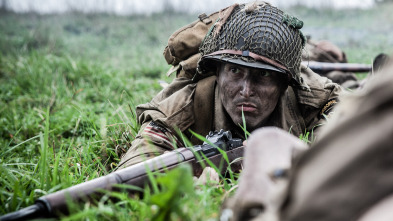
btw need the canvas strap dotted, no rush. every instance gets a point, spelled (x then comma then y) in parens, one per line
(203, 107)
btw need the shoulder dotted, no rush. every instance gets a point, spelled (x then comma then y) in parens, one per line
(316, 102)
(321, 90)
(173, 106)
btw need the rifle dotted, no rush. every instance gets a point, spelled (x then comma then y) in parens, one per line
(324, 67)
(137, 175)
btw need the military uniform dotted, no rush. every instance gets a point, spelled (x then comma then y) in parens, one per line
(350, 165)
(185, 105)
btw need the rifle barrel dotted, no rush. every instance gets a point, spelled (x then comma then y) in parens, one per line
(50, 205)
(93, 188)
(53, 203)
(36, 210)
(324, 67)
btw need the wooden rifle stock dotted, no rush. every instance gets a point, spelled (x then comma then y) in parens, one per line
(136, 175)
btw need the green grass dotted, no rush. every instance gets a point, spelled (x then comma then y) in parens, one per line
(68, 89)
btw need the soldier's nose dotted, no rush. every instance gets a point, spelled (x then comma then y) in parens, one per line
(247, 89)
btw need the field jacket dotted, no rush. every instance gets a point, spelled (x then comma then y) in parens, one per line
(167, 119)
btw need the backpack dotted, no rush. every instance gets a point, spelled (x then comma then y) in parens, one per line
(182, 50)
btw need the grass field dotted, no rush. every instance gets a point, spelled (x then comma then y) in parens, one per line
(69, 85)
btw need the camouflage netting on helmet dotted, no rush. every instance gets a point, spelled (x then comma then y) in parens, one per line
(264, 30)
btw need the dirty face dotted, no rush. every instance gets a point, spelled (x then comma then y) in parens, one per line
(255, 92)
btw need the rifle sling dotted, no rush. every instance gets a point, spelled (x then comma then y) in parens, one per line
(203, 107)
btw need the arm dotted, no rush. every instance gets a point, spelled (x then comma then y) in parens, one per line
(318, 103)
(152, 140)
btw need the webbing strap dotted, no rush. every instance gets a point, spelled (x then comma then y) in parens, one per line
(203, 107)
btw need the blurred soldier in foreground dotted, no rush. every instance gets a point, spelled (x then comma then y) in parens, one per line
(250, 68)
(346, 175)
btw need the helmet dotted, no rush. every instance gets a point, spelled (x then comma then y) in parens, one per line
(256, 35)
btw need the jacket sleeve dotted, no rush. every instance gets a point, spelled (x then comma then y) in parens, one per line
(152, 140)
(168, 112)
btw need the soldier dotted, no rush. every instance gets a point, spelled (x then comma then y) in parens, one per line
(250, 77)
(345, 175)
(326, 51)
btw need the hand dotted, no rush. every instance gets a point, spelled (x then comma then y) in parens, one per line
(268, 155)
(208, 176)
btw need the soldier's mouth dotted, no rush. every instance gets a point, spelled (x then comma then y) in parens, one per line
(246, 107)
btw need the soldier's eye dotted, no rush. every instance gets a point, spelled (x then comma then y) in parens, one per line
(265, 74)
(235, 70)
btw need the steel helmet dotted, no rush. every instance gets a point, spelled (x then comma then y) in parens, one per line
(256, 35)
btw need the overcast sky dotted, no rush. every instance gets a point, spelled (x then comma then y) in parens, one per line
(127, 7)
